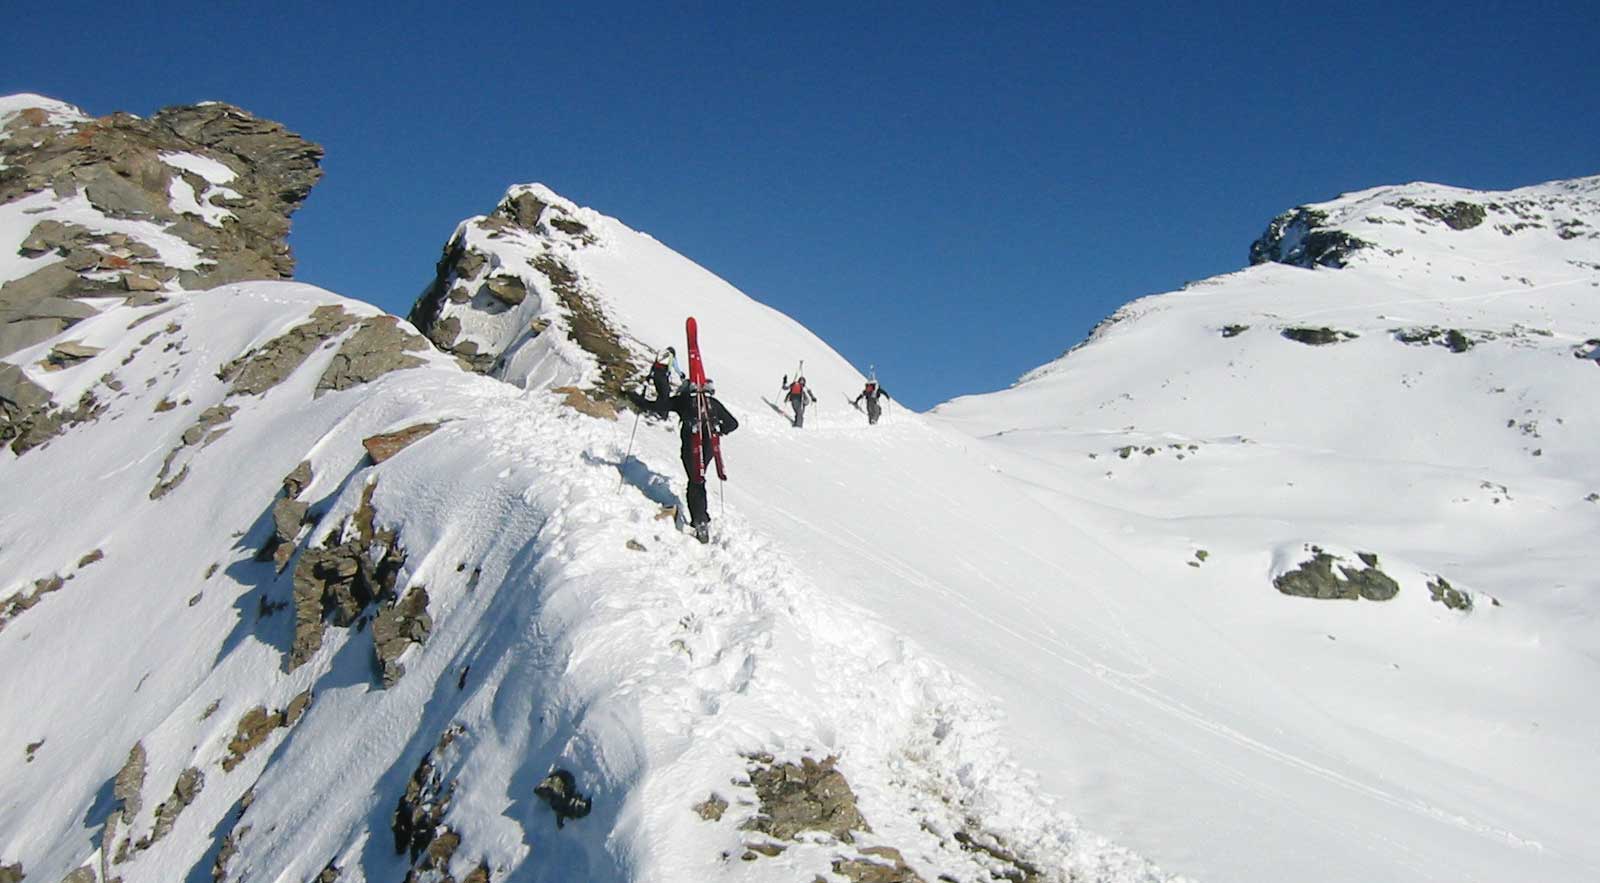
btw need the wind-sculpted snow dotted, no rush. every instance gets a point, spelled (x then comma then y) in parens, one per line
(572, 629)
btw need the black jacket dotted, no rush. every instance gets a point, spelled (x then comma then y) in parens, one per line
(683, 405)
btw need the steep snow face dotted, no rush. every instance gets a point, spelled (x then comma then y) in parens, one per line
(1421, 407)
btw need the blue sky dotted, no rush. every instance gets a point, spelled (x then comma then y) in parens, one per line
(955, 193)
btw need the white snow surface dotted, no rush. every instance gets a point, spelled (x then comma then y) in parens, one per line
(992, 617)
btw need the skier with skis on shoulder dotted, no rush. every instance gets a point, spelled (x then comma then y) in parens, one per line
(872, 392)
(683, 404)
(665, 373)
(796, 393)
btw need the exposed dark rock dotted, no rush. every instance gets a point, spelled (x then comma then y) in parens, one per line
(419, 815)
(1440, 590)
(84, 874)
(1314, 578)
(891, 869)
(298, 480)
(18, 602)
(261, 369)
(12, 873)
(1453, 339)
(1457, 215)
(1298, 238)
(338, 583)
(523, 209)
(398, 626)
(560, 791)
(128, 786)
(382, 447)
(27, 416)
(712, 808)
(509, 289)
(589, 328)
(1318, 336)
(809, 796)
(377, 347)
(1234, 330)
(288, 516)
(190, 782)
(116, 163)
(69, 353)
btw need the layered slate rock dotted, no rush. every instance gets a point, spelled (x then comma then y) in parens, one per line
(213, 175)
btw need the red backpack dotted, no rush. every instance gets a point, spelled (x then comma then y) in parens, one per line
(796, 388)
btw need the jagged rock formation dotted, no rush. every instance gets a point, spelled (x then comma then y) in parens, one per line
(121, 206)
(220, 179)
(506, 300)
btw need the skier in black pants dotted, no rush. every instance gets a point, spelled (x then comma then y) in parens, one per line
(683, 405)
(871, 393)
(796, 396)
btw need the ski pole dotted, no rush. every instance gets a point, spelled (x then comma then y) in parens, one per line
(621, 476)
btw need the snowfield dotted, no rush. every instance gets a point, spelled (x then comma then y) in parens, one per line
(1041, 632)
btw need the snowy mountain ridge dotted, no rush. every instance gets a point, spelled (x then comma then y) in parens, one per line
(1257, 583)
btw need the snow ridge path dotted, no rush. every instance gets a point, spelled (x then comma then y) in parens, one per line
(653, 673)
(737, 653)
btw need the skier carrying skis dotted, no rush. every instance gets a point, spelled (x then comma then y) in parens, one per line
(683, 404)
(796, 393)
(872, 392)
(664, 372)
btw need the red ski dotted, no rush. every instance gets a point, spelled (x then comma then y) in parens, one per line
(702, 407)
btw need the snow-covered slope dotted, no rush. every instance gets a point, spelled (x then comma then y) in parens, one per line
(294, 599)
(1421, 404)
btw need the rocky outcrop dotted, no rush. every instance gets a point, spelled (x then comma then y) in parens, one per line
(18, 602)
(559, 791)
(223, 181)
(418, 823)
(1319, 336)
(505, 280)
(268, 365)
(396, 627)
(30, 418)
(1440, 591)
(1315, 578)
(184, 791)
(808, 796)
(1301, 238)
(378, 346)
(385, 445)
(258, 724)
(340, 582)
(1458, 215)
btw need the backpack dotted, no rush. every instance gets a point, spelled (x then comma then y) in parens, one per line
(796, 388)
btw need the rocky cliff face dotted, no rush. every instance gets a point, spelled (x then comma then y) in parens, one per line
(507, 301)
(123, 209)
